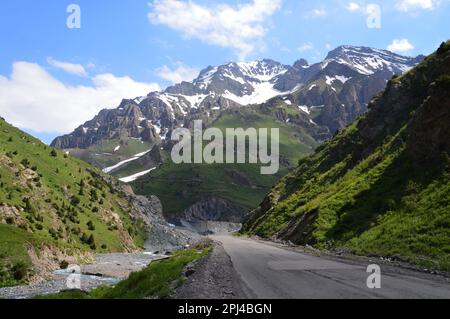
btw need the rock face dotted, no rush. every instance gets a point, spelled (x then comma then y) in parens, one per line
(214, 209)
(161, 235)
(340, 88)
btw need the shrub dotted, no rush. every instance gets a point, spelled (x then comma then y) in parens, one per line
(445, 46)
(443, 82)
(63, 264)
(94, 196)
(75, 201)
(53, 153)
(25, 162)
(19, 271)
(90, 225)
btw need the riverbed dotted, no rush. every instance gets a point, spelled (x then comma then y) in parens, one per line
(108, 269)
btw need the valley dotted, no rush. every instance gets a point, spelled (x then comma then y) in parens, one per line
(307, 103)
(364, 167)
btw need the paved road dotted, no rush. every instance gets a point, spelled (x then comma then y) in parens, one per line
(272, 272)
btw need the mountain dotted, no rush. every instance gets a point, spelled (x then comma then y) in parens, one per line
(347, 79)
(308, 102)
(55, 208)
(381, 186)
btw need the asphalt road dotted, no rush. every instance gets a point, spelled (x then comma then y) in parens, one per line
(272, 272)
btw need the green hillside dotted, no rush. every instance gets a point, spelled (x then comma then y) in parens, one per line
(380, 187)
(180, 186)
(103, 154)
(54, 201)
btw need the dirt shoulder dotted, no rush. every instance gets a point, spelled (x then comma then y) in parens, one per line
(213, 277)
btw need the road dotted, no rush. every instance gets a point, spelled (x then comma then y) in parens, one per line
(271, 272)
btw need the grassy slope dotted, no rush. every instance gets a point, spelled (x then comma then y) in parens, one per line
(369, 195)
(44, 194)
(102, 154)
(179, 186)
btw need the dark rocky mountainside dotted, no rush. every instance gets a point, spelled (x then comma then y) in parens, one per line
(381, 186)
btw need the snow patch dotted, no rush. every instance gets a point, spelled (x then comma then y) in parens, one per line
(262, 92)
(114, 167)
(305, 109)
(134, 177)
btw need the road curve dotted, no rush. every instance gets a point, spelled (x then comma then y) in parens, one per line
(271, 272)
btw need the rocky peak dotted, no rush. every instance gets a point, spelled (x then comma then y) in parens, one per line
(301, 64)
(368, 61)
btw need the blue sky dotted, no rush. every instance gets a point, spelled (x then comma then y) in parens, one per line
(50, 74)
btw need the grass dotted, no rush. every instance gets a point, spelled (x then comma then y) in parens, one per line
(13, 254)
(60, 199)
(155, 281)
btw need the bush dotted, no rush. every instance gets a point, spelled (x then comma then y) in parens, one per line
(94, 196)
(443, 82)
(25, 162)
(445, 46)
(90, 225)
(63, 264)
(75, 201)
(19, 271)
(53, 153)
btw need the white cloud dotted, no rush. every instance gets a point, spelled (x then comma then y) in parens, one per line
(76, 69)
(31, 98)
(179, 74)
(241, 28)
(400, 46)
(353, 7)
(411, 5)
(319, 12)
(305, 47)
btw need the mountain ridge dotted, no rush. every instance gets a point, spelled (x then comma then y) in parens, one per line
(239, 84)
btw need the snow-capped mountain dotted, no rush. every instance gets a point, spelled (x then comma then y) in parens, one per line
(368, 61)
(338, 89)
